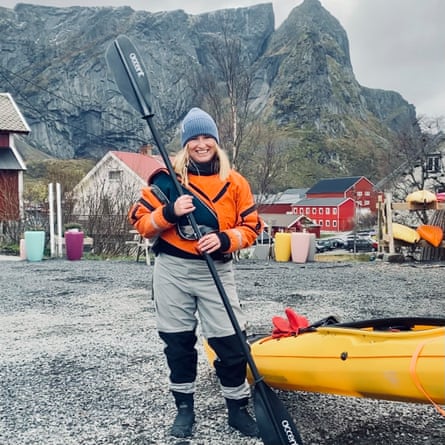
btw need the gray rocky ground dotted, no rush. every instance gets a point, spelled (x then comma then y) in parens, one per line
(81, 362)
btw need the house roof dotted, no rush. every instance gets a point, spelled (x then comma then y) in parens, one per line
(9, 160)
(322, 202)
(285, 219)
(11, 119)
(334, 185)
(141, 164)
(289, 196)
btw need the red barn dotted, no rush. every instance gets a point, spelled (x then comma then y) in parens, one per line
(331, 214)
(333, 203)
(11, 163)
(281, 203)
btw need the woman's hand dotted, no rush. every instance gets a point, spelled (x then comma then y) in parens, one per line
(184, 205)
(209, 243)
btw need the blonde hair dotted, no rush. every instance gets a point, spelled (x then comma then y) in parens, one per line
(182, 159)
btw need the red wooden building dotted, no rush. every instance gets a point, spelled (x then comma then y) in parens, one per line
(289, 222)
(334, 203)
(11, 163)
(331, 214)
(281, 203)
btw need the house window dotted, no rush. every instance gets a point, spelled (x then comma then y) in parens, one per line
(334, 223)
(314, 211)
(433, 163)
(328, 223)
(301, 210)
(359, 193)
(334, 211)
(308, 210)
(115, 175)
(368, 193)
(328, 211)
(367, 203)
(320, 211)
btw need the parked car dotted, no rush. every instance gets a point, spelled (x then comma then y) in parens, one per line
(361, 245)
(323, 245)
(337, 243)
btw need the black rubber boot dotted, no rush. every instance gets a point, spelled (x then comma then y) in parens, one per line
(240, 419)
(185, 418)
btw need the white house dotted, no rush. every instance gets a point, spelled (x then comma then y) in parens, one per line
(114, 183)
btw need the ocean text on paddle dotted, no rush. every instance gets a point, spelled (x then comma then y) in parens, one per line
(289, 432)
(136, 64)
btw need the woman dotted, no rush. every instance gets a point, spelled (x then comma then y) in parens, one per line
(223, 206)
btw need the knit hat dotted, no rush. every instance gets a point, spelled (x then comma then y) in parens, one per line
(197, 122)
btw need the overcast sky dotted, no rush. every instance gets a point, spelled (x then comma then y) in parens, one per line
(395, 44)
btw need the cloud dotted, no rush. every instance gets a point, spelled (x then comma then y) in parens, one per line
(399, 45)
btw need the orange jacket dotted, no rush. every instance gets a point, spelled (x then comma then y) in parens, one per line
(229, 204)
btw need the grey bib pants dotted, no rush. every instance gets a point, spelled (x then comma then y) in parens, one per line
(185, 292)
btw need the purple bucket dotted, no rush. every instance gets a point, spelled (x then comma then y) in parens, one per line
(74, 245)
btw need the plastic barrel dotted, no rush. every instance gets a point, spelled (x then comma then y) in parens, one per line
(282, 246)
(300, 245)
(312, 248)
(34, 245)
(74, 245)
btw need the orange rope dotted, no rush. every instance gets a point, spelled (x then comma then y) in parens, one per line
(415, 378)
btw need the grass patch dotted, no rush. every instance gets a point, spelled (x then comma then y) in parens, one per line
(326, 258)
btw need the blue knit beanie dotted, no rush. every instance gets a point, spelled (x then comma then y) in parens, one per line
(197, 122)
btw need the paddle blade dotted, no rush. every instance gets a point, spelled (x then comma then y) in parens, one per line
(130, 74)
(274, 422)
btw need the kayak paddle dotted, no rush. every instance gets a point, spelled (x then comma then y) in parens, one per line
(274, 422)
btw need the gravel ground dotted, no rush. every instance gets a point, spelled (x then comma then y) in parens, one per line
(82, 363)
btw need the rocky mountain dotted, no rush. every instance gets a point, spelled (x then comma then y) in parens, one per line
(52, 62)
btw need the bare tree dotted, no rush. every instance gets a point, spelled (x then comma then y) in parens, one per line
(226, 90)
(102, 209)
(266, 159)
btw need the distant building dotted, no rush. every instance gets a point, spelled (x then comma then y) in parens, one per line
(117, 180)
(11, 163)
(281, 202)
(288, 222)
(335, 203)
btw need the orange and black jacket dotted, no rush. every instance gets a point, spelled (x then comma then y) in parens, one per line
(226, 207)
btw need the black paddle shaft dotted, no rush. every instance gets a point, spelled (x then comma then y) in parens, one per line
(130, 75)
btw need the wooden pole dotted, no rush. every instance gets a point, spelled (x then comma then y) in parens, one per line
(388, 206)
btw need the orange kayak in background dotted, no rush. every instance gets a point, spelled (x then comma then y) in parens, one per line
(432, 234)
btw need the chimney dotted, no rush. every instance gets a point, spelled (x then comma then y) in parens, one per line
(146, 150)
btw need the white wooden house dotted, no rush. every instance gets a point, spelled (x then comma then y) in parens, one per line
(113, 184)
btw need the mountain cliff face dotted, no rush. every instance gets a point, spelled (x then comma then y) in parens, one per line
(52, 62)
(312, 81)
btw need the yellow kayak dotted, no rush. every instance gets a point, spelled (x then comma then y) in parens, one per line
(421, 197)
(401, 359)
(405, 233)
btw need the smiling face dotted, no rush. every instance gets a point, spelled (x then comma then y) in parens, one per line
(201, 148)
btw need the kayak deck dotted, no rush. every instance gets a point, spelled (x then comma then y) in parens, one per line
(402, 365)
(399, 359)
